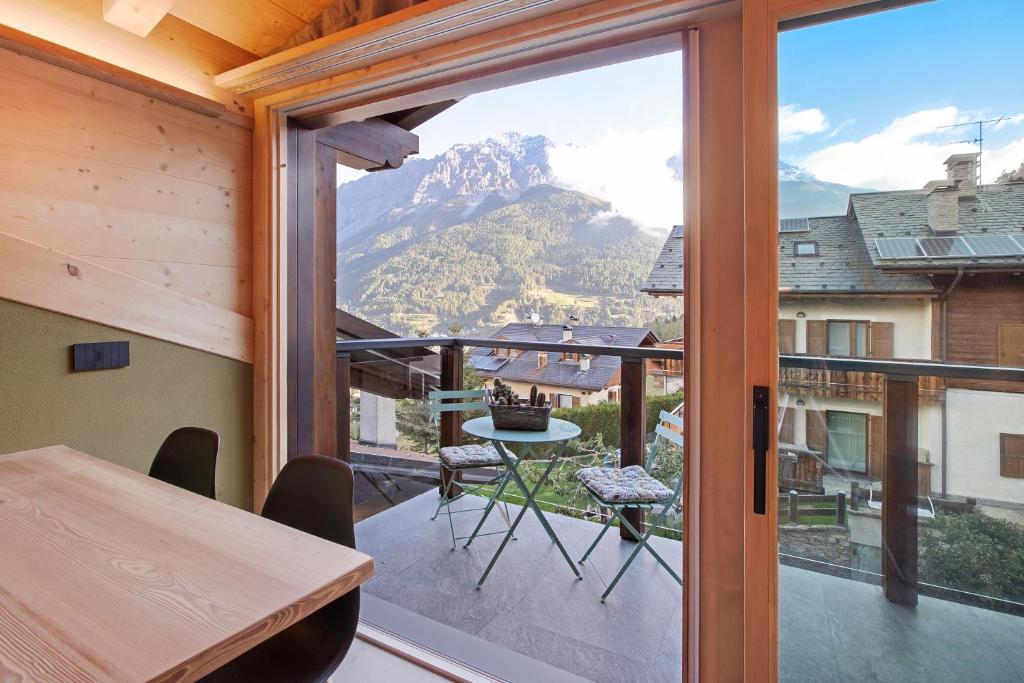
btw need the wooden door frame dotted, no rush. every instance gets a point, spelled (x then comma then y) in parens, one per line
(736, 40)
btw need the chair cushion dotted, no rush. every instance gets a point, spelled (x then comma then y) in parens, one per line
(473, 455)
(626, 485)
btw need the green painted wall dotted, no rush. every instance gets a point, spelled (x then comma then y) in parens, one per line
(120, 415)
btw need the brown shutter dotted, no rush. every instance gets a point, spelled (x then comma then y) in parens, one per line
(787, 336)
(1011, 346)
(575, 401)
(817, 431)
(1011, 455)
(787, 431)
(876, 447)
(882, 340)
(816, 333)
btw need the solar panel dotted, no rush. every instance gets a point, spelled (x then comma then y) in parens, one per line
(993, 245)
(793, 225)
(944, 247)
(488, 362)
(898, 248)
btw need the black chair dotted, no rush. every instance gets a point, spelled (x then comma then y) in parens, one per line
(188, 459)
(312, 493)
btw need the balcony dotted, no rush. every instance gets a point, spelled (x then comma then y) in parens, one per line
(846, 609)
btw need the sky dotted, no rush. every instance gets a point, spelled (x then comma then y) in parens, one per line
(862, 102)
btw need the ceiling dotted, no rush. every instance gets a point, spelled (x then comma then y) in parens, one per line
(257, 26)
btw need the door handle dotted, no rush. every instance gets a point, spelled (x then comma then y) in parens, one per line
(761, 441)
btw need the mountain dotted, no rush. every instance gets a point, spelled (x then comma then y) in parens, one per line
(801, 195)
(481, 235)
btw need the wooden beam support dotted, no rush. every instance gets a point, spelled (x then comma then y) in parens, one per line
(312, 372)
(138, 16)
(371, 145)
(899, 493)
(451, 422)
(417, 116)
(344, 401)
(632, 423)
(342, 14)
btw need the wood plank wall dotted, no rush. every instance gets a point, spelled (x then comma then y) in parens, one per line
(978, 305)
(124, 210)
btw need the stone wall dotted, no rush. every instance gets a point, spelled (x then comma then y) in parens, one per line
(825, 542)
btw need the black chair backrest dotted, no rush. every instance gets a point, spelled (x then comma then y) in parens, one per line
(313, 493)
(188, 459)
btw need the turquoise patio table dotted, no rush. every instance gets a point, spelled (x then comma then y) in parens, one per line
(558, 431)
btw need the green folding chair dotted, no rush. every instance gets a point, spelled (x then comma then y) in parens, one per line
(454, 459)
(634, 487)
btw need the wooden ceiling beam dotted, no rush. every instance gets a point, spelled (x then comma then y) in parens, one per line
(342, 14)
(138, 16)
(371, 145)
(417, 116)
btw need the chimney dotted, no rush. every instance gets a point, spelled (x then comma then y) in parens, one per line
(963, 170)
(943, 209)
(585, 363)
(566, 333)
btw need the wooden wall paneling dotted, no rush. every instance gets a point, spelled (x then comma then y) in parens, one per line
(175, 52)
(50, 279)
(975, 310)
(256, 26)
(137, 16)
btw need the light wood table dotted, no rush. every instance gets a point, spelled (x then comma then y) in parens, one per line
(108, 575)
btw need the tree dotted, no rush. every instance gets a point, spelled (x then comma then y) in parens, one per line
(1011, 176)
(416, 424)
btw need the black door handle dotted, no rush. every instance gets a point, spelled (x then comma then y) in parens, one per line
(761, 441)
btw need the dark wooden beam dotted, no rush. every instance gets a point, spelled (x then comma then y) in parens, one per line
(343, 384)
(417, 116)
(899, 491)
(370, 145)
(632, 422)
(313, 358)
(451, 422)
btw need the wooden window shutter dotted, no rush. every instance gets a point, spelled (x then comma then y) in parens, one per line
(876, 447)
(817, 431)
(882, 340)
(575, 401)
(1011, 455)
(788, 432)
(787, 336)
(1011, 346)
(817, 332)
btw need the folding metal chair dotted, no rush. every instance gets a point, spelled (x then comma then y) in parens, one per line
(634, 488)
(457, 458)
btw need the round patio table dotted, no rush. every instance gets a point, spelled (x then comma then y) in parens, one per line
(558, 431)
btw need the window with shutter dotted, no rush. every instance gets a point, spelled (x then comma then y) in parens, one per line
(817, 431)
(787, 432)
(882, 340)
(1011, 346)
(787, 336)
(1011, 455)
(816, 337)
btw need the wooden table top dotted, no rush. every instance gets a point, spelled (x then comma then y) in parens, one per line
(109, 575)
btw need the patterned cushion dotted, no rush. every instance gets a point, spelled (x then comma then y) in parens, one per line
(457, 457)
(626, 485)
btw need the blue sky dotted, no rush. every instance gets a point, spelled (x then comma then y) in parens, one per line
(861, 102)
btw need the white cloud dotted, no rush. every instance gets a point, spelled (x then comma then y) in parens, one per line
(795, 123)
(835, 131)
(628, 169)
(905, 154)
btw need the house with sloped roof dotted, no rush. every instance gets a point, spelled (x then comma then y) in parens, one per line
(932, 274)
(568, 379)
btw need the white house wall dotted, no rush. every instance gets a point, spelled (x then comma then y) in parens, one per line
(975, 421)
(912, 318)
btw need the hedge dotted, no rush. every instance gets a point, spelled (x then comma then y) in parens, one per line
(603, 418)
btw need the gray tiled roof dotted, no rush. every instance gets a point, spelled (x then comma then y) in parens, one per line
(561, 373)
(842, 264)
(994, 210)
(667, 273)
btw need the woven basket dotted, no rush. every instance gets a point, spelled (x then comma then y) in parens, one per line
(523, 418)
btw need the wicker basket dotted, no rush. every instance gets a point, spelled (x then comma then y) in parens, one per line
(523, 418)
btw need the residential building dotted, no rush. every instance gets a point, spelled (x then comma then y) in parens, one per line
(569, 379)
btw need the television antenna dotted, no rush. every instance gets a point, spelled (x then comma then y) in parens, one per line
(979, 140)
